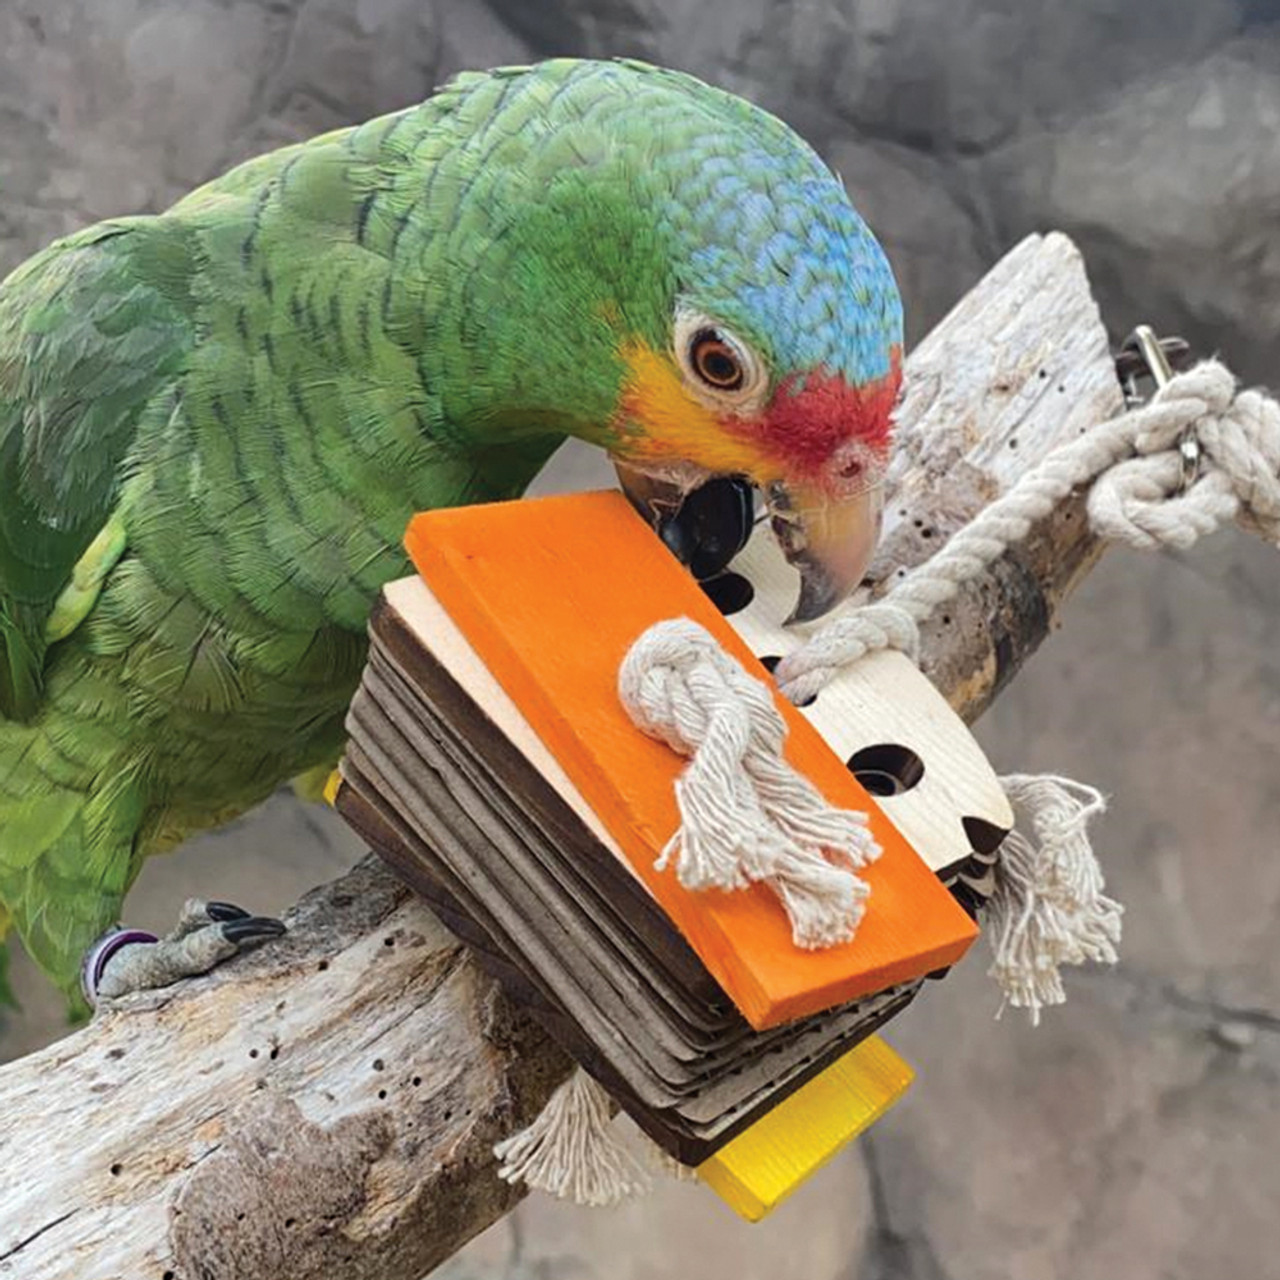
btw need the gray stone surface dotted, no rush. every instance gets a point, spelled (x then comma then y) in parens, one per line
(1136, 1132)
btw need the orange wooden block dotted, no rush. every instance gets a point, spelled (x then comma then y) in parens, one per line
(551, 593)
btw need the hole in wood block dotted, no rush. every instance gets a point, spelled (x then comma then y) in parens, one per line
(887, 768)
(770, 661)
(729, 592)
(984, 836)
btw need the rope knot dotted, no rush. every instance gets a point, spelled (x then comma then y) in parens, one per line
(1142, 501)
(746, 815)
(680, 686)
(1245, 444)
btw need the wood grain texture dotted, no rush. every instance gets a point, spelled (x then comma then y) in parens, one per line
(552, 613)
(165, 1086)
(1020, 365)
(276, 1121)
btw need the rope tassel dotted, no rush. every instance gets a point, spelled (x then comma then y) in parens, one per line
(1049, 908)
(745, 814)
(571, 1151)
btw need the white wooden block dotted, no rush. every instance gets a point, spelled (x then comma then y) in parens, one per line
(885, 701)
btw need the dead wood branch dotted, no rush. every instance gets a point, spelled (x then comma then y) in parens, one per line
(325, 1109)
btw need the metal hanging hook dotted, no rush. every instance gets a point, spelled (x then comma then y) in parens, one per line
(1144, 353)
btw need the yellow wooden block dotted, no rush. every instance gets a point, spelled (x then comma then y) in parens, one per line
(332, 783)
(755, 1172)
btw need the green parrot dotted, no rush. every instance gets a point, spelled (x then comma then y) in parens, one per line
(216, 422)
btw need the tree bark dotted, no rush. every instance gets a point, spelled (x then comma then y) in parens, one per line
(325, 1109)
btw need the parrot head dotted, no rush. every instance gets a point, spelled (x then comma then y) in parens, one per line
(750, 390)
(708, 304)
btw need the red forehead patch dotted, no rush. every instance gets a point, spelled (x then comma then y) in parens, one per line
(813, 414)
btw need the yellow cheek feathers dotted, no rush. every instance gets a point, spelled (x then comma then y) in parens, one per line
(675, 424)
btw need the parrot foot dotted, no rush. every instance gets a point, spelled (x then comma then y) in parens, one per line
(207, 933)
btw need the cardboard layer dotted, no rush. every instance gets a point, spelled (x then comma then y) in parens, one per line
(551, 594)
(451, 802)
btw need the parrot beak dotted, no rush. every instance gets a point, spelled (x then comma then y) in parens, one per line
(705, 519)
(829, 540)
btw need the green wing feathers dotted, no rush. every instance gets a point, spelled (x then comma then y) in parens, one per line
(124, 352)
(92, 331)
(215, 423)
(66, 861)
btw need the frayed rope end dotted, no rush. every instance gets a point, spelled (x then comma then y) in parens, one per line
(1049, 908)
(570, 1151)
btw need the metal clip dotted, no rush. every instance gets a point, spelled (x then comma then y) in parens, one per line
(1144, 353)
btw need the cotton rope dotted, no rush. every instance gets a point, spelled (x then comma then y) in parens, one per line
(570, 1151)
(745, 815)
(1136, 468)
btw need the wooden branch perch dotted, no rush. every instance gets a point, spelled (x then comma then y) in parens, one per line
(326, 1107)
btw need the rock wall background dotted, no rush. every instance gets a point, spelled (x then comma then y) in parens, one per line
(1136, 1132)
(1149, 132)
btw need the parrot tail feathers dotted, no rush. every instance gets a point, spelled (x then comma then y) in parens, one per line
(7, 999)
(63, 876)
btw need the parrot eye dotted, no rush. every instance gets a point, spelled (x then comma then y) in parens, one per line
(717, 364)
(715, 361)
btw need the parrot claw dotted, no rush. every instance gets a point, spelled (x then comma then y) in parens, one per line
(247, 930)
(207, 933)
(220, 911)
